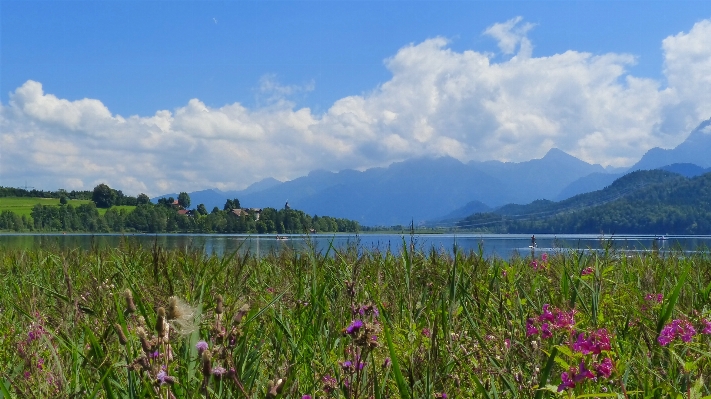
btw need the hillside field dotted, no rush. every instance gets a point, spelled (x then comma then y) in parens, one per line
(23, 205)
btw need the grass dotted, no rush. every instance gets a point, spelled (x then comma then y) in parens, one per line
(351, 323)
(24, 205)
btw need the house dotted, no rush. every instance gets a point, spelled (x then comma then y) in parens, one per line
(256, 212)
(240, 212)
(245, 212)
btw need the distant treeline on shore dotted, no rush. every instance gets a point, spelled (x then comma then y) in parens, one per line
(109, 210)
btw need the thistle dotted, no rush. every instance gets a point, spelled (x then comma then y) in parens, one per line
(181, 315)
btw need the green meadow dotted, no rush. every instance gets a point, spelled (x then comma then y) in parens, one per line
(23, 205)
(134, 322)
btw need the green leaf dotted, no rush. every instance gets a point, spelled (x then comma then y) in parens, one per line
(668, 308)
(546, 372)
(399, 379)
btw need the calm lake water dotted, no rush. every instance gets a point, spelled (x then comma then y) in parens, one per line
(501, 245)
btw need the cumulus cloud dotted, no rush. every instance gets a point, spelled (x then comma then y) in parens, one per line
(438, 102)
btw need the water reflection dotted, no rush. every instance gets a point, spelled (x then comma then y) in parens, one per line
(501, 245)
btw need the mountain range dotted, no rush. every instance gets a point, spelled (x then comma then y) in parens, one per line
(445, 189)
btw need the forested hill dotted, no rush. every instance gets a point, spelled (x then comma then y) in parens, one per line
(643, 202)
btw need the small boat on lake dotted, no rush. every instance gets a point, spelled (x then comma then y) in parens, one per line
(282, 238)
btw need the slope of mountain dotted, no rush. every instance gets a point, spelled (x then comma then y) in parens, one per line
(586, 184)
(686, 169)
(537, 178)
(651, 202)
(263, 184)
(459, 213)
(695, 149)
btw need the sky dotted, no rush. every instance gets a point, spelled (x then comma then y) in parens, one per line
(169, 96)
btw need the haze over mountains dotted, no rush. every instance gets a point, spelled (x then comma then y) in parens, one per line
(444, 188)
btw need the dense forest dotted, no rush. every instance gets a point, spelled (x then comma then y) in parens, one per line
(168, 215)
(649, 202)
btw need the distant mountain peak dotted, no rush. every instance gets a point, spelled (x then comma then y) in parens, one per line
(694, 150)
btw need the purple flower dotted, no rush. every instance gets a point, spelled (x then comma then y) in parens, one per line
(354, 327)
(545, 331)
(587, 271)
(666, 335)
(218, 371)
(201, 347)
(347, 365)
(162, 377)
(386, 362)
(426, 332)
(582, 345)
(659, 298)
(597, 342)
(604, 369)
(329, 383)
(677, 328)
(306, 397)
(566, 382)
(530, 328)
(583, 373)
(546, 315)
(564, 320)
(707, 327)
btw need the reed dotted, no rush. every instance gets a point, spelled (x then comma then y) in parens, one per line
(133, 322)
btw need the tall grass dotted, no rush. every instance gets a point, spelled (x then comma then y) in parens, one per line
(135, 322)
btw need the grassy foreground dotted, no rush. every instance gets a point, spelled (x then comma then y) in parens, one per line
(137, 322)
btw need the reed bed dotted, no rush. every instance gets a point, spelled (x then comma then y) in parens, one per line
(134, 322)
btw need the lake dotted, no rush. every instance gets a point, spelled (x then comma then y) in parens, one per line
(500, 245)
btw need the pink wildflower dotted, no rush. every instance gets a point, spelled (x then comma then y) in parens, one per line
(530, 328)
(707, 327)
(676, 329)
(604, 369)
(546, 314)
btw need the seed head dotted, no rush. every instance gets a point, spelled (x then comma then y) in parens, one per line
(275, 387)
(181, 315)
(206, 364)
(241, 312)
(130, 305)
(219, 308)
(144, 340)
(121, 336)
(162, 324)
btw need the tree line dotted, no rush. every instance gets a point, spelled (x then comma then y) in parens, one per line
(167, 217)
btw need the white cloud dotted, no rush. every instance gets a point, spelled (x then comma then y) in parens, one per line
(510, 34)
(438, 102)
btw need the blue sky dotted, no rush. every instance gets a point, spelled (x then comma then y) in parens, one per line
(119, 90)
